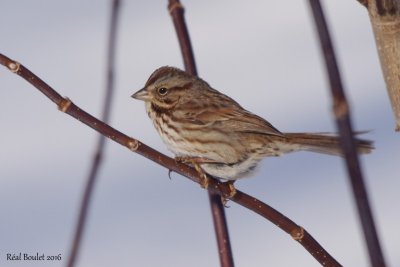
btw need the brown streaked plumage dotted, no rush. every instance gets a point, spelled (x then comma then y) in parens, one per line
(196, 121)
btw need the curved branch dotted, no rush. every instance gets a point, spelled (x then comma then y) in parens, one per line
(65, 105)
(342, 115)
(98, 155)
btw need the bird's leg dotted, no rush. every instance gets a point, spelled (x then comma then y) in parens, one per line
(204, 180)
(196, 161)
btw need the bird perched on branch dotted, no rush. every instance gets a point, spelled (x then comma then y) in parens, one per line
(211, 131)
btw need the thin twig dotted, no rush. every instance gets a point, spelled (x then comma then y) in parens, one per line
(176, 10)
(217, 208)
(342, 115)
(221, 230)
(98, 155)
(66, 105)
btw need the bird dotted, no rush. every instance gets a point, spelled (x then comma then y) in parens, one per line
(211, 131)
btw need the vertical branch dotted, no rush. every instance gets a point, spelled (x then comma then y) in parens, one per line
(176, 10)
(217, 210)
(98, 156)
(221, 230)
(342, 115)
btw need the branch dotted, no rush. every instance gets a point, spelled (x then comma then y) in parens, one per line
(176, 10)
(66, 105)
(98, 155)
(217, 208)
(342, 114)
(385, 20)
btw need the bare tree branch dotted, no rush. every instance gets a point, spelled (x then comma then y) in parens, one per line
(176, 10)
(98, 155)
(341, 111)
(66, 105)
(217, 208)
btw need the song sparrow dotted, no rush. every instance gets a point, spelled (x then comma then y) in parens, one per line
(209, 129)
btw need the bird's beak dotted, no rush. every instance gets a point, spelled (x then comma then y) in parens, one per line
(142, 94)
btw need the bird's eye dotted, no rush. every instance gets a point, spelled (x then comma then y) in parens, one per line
(162, 90)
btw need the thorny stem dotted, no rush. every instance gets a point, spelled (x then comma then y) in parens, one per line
(98, 155)
(66, 105)
(342, 115)
(217, 208)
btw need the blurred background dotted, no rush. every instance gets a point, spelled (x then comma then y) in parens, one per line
(265, 55)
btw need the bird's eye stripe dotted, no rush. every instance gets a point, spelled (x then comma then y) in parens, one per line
(182, 87)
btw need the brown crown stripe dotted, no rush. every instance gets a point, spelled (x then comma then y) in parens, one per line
(165, 72)
(157, 74)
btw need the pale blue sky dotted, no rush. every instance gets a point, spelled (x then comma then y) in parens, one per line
(264, 55)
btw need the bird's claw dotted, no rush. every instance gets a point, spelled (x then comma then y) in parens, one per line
(231, 193)
(169, 174)
(195, 162)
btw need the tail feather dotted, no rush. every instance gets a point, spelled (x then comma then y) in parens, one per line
(326, 143)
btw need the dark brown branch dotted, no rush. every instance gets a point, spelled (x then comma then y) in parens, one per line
(217, 208)
(65, 105)
(176, 10)
(342, 116)
(98, 155)
(221, 230)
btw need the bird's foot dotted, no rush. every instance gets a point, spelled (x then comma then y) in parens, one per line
(231, 193)
(195, 162)
(204, 180)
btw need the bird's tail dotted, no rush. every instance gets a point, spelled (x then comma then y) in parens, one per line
(325, 143)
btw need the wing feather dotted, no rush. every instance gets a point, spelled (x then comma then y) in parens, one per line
(235, 119)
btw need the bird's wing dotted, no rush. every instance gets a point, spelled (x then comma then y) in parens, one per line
(235, 118)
